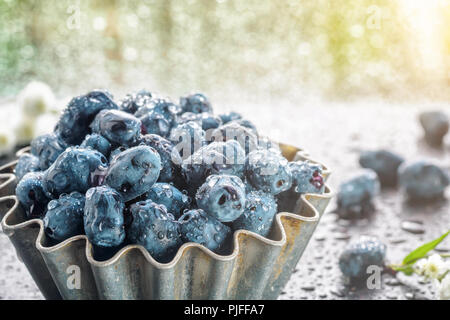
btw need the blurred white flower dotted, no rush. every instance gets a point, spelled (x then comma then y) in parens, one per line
(24, 131)
(7, 140)
(433, 267)
(45, 124)
(35, 99)
(444, 288)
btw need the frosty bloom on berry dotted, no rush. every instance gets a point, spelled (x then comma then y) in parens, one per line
(31, 195)
(195, 103)
(173, 199)
(133, 101)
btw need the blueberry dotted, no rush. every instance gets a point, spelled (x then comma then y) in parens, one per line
(119, 127)
(384, 163)
(230, 116)
(47, 148)
(355, 196)
(116, 151)
(196, 226)
(170, 158)
(435, 125)
(247, 124)
(155, 229)
(359, 255)
(173, 199)
(209, 121)
(26, 163)
(222, 196)
(164, 107)
(234, 131)
(155, 123)
(195, 103)
(64, 217)
(189, 116)
(133, 101)
(268, 171)
(76, 169)
(306, 177)
(31, 195)
(423, 180)
(103, 217)
(259, 212)
(215, 158)
(188, 138)
(134, 171)
(73, 124)
(97, 142)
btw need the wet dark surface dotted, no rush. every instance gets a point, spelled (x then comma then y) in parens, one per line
(333, 134)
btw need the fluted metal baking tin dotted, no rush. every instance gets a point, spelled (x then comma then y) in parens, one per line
(257, 268)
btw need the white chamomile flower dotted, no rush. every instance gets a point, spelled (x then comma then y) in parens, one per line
(444, 288)
(433, 267)
(7, 140)
(35, 99)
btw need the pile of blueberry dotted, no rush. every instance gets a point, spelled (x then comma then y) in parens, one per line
(156, 173)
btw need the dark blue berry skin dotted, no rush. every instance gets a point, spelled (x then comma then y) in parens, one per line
(268, 171)
(164, 107)
(359, 255)
(188, 138)
(97, 142)
(423, 180)
(155, 123)
(222, 196)
(234, 131)
(196, 226)
(133, 101)
(173, 199)
(170, 158)
(155, 229)
(73, 124)
(260, 210)
(134, 171)
(215, 158)
(436, 125)
(307, 177)
(230, 116)
(116, 151)
(26, 163)
(76, 169)
(195, 103)
(355, 196)
(209, 121)
(384, 163)
(31, 195)
(119, 127)
(64, 217)
(103, 217)
(47, 148)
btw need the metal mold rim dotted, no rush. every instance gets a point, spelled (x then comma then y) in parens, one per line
(312, 217)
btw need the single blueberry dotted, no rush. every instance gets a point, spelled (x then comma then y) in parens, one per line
(31, 195)
(26, 163)
(385, 163)
(268, 171)
(173, 199)
(133, 101)
(361, 254)
(188, 138)
(436, 125)
(64, 217)
(103, 217)
(155, 123)
(134, 171)
(47, 148)
(196, 226)
(164, 107)
(222, 196)
(234, 131)
(155, 229)
(170, 157)
(119, 127)
(307, 177)
(355, 196)
(195, 103)
(97, 142)
(76, 169)
(73, 124)
(260, 210)
(423, 180)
